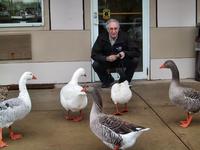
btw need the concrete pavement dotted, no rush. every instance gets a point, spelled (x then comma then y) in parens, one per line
(46, 129)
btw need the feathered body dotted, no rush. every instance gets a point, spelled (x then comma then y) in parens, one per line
(187, 98)
(12, 110)
(113, 131)
(15, 108)
(72, 96)
(121, 94)
(184, 97)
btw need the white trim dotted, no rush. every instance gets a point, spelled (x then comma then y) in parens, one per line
(48, 72)
(146, 40)
(94, 30)
(186, 68)
(146, 26)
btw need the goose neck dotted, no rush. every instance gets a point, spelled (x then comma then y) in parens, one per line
(22, 85)
(23, 93)
(175, 74)
(74, 78)
(95, 111)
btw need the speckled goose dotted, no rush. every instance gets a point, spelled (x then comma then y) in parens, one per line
(187, 98)
(15, 108)
(111, 130)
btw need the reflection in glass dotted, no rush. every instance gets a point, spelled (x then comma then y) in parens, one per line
(20, 13)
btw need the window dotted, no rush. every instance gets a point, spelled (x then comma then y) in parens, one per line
(21, 13)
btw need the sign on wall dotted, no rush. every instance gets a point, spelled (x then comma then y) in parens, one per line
(176, 13)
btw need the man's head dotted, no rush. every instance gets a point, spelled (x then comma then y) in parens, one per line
(112, 26)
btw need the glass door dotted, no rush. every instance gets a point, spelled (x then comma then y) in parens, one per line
(133, 16)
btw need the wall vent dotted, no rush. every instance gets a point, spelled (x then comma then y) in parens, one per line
(15, 46)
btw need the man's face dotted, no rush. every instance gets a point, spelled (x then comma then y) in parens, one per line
(113, 29)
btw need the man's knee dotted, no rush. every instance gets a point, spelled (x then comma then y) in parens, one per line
(132, 62)
(95, 65)
(135, 61)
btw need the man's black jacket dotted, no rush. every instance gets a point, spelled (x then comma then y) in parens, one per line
(103, 48)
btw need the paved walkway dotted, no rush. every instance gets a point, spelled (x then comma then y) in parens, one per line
(46, 129)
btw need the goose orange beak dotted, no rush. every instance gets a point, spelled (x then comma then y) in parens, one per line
(34, 77)
(162, 66)
(84, 88)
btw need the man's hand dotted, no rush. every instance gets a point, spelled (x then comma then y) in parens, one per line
(121, 55)
(112, 58)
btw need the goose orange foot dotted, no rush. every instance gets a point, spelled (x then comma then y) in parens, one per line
(124, 110)
(118, 113)
(69, 118)
(14, 136)
(77, 119)
(116, 147)
(2, 144)
(186, 122)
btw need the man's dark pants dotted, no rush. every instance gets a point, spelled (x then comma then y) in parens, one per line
(127, 66)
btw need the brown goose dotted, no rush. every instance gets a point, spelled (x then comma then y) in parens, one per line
(117, 134)
(187, 98)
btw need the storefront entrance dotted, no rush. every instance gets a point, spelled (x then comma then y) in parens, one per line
(133, 16)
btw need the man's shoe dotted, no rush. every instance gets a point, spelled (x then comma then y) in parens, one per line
(105, 85)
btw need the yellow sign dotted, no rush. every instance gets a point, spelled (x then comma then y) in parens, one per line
(106, 14)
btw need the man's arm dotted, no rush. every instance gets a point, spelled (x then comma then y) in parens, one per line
(132, 48)
(97, 51)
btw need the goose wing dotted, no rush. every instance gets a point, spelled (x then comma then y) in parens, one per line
(117, 125)
(11, 110)
(10, 103)
(110, 129)
(104, 132)
(192, 99)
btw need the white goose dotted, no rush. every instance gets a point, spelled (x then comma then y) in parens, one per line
(15, 108)
(116, 133)
(72, 96)
(121, 94)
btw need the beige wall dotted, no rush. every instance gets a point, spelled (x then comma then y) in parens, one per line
(75, 46)
(198, 10)
(170, 42)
